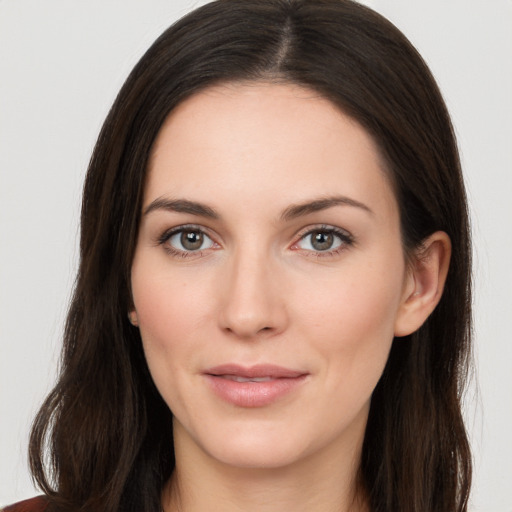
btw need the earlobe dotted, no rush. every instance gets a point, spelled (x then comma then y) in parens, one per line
(424, 283)
(132, 317)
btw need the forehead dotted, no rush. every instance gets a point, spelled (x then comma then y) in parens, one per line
(278, 141)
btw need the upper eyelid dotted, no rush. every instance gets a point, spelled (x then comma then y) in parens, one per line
(168, 233)
(345, 236)
(186, 227)
(164, 241)
(307, 230)
(323, 227)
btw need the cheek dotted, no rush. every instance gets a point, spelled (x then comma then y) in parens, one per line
(170, 309)
(168, 304)
(360, 298)
(352, 319)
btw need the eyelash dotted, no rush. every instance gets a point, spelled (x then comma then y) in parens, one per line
(167, 235)
(345, 238)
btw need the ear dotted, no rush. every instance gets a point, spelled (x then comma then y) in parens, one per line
(132, 316)
(424, 283)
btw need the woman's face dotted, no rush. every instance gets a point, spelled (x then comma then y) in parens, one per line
(269, 274)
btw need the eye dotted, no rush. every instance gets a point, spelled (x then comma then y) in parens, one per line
(184, 240)
(326, 240)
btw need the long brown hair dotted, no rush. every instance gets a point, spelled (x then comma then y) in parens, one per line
(102, 440)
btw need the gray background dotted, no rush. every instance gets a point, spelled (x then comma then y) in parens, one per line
(61, 64)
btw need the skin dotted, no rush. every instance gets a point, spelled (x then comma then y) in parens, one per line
(258, 291)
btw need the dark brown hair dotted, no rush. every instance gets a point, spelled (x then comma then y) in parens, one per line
(107, 430)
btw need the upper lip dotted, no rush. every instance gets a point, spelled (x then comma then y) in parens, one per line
(256, 371)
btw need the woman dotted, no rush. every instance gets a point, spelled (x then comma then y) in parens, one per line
(275, 248)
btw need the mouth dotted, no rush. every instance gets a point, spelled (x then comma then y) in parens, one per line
(238, 378)
(255, 386)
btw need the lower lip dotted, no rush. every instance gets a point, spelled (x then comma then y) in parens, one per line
(253, 394)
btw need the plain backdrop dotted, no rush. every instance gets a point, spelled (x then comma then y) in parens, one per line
(61, 65)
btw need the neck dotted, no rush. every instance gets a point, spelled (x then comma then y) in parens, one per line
(321, 483)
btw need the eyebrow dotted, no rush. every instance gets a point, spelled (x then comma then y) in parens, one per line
(301, 209)
(292, 212)
(181, 206)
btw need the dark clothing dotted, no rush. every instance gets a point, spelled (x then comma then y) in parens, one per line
(37, 504)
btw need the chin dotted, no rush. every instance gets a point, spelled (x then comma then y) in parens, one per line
(245, 444)
(257, 454)
(265, 444)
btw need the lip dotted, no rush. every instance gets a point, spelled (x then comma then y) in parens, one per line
(253, 386)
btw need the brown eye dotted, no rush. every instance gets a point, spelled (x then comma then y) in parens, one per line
(189, 240)
(322, 241)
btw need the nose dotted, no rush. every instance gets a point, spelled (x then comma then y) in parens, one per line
(253, 300)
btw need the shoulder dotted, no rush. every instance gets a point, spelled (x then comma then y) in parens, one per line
(37, 504)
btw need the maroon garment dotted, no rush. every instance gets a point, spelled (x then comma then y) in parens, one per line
(37, 504)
